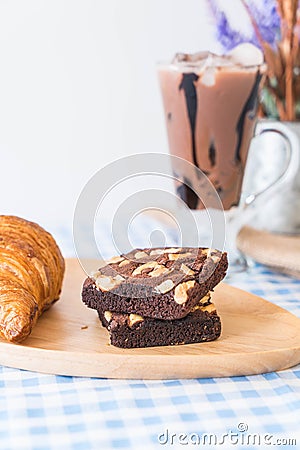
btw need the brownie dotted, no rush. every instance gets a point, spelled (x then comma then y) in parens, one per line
(155, 283)
(202, 324)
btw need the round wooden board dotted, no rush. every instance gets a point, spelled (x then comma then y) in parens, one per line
(68, 339)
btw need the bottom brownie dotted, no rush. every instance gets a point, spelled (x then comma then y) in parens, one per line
(202, 324)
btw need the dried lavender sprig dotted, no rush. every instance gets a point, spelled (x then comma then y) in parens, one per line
(231, 32)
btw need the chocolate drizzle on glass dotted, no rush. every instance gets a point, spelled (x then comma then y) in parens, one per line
(188, 86)
(212, 153)
(249, 109)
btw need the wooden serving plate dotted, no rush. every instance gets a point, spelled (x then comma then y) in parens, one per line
(68, 339)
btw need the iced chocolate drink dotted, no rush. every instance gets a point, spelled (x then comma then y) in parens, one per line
(210, 105)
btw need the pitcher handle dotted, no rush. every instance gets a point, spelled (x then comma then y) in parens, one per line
(292, 148)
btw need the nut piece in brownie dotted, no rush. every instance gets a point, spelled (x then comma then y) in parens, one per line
(202, 324)
(159, 283)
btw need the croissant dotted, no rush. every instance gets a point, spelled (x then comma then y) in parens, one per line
(31, 275)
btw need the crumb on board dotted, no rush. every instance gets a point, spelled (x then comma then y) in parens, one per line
(84, 327)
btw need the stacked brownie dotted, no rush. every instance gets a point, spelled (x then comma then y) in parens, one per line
(160, 296)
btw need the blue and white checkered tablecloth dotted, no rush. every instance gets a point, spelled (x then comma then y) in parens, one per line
(43, 412)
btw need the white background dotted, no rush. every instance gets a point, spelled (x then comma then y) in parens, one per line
(78, 89)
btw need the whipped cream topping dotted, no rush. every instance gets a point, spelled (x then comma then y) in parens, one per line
(243, 55)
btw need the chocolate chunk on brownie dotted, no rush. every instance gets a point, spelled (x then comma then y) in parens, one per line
(159, 283)
(202, 324)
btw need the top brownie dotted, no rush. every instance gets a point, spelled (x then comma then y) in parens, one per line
(160, 283)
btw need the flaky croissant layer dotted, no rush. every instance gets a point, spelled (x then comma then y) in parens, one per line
(31, 274)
